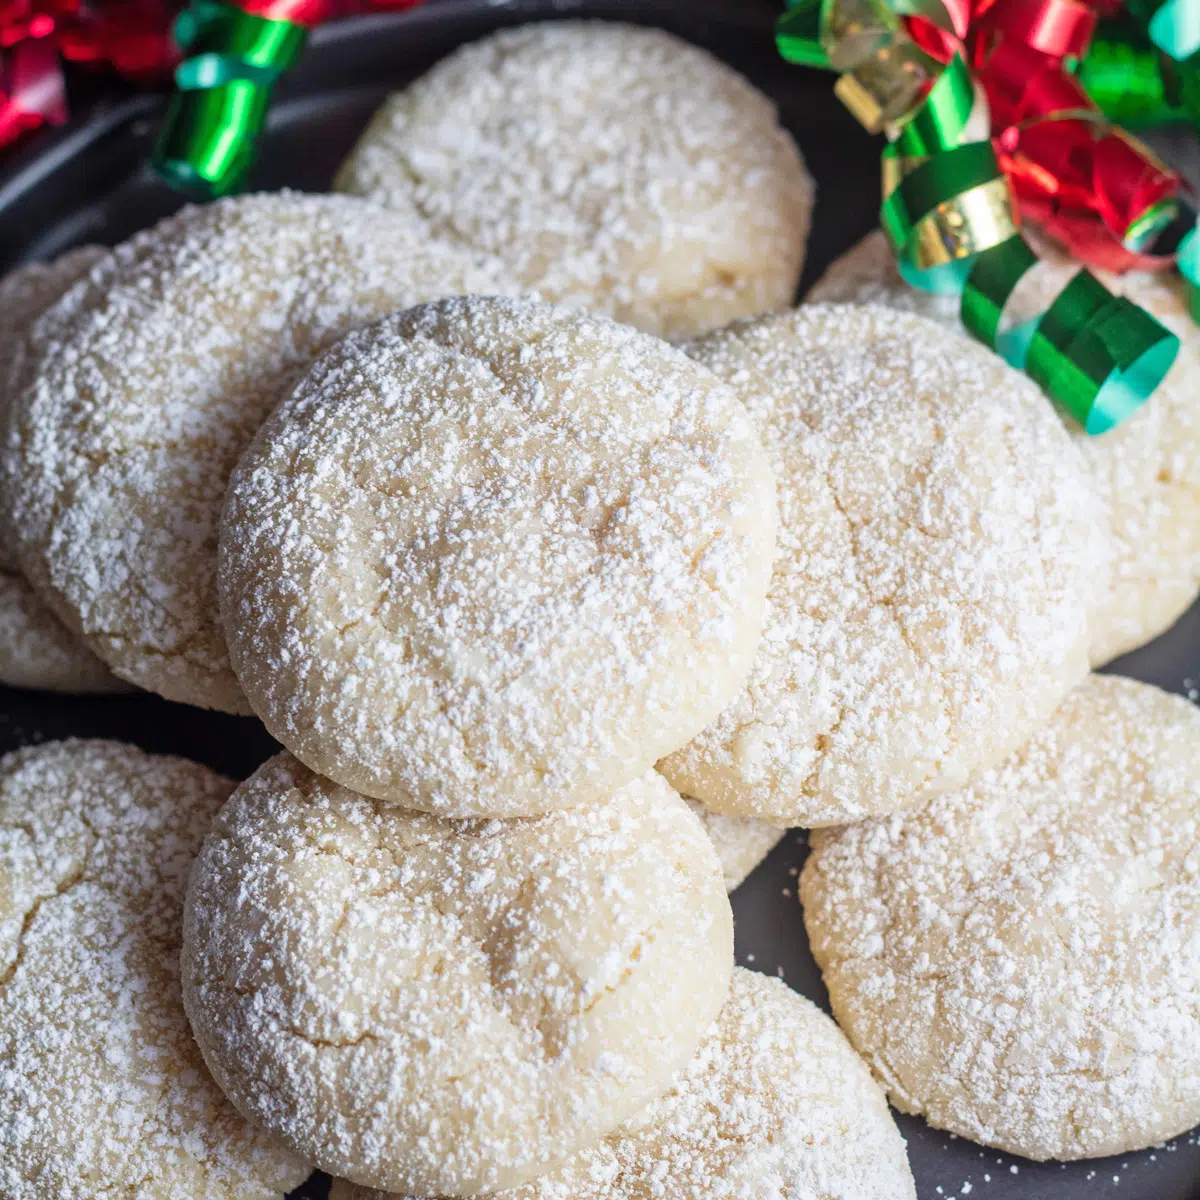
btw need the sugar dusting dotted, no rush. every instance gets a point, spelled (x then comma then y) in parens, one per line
(1018, 961)
(545, 977)
(936, 548)
(154, 375)
(494, 557)
(775, 1103)
(1146, 472)
(35, 649)
(614, 167)
(102, 1088)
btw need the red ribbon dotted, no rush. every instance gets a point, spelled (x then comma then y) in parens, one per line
(31, 90)
(1085, 181)
(130, 37)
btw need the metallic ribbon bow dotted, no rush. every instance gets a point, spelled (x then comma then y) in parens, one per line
(947, 205)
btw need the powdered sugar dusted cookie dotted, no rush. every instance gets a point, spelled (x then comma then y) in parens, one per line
(1020, 960)
(36, 651)
(153, 376)
(609, 166)
(445, 1007)
(741, 844)
(494, 558)
(774, 1103)
(1146, 472)
(928, 605)
(103, 1090)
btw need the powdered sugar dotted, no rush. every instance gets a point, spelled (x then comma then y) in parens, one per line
(741, 844)
(154, 376)
(1146, 472)
(614, 167)
(101, 1086)
(543, 978)
(775, 1103)
(494, 558)
(937, 545)
(1020, 960)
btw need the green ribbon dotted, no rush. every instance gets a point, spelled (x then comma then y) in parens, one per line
(223, 90)
(948, 213)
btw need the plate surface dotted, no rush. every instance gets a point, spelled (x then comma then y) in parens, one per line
(89, 182)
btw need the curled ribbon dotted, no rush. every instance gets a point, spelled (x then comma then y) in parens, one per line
(36, 36)
(947, 205)
(233, 55)
(223, 87)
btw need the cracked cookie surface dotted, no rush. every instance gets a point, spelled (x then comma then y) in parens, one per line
(152, 378)
(494, 557)
(1019, 961)
(1146, 472)
(36, 650)
(445, 1007)
(611, 167)
(936, 547)
(774, 1103)
(103, 1089)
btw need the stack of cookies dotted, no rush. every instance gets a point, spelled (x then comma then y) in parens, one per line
(564, 597)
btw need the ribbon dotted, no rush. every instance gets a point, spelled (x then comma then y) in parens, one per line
(131, 37)
(947, 201)
(31, 90)
(233, 55)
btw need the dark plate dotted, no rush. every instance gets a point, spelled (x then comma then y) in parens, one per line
(89, 182)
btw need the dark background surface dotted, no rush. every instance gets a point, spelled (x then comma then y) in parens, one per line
(89, 182)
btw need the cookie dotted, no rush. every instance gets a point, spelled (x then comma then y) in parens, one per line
(494, 558)
(1019, 961)
(928, 607)
(36, 651)
(154, 376)
(774, 1103)
(612, 167)
(741, 844)
(447, 1007)
(103, 1090)
(1146, 472)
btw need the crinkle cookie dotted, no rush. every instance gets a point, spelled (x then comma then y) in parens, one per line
(102, 1088)
(936, 551)
(153, 376)
(741, 844)
(1019, 961)
(447, 1007)
(1146, 472)
(775, 1103)
(494, 558)
(612, 167)
(36, 651)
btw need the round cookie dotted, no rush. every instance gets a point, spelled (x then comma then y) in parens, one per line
(774, 1103)
(936, 548)
(35, 650)
(741, 844)
(155, 375)
(103, 1090)
(609, 166)
(1019, 961)
(438, 1006)
(1146, 472)
(494, 558)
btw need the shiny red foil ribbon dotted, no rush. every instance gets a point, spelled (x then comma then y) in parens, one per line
(1084, 180)
(130, 37)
